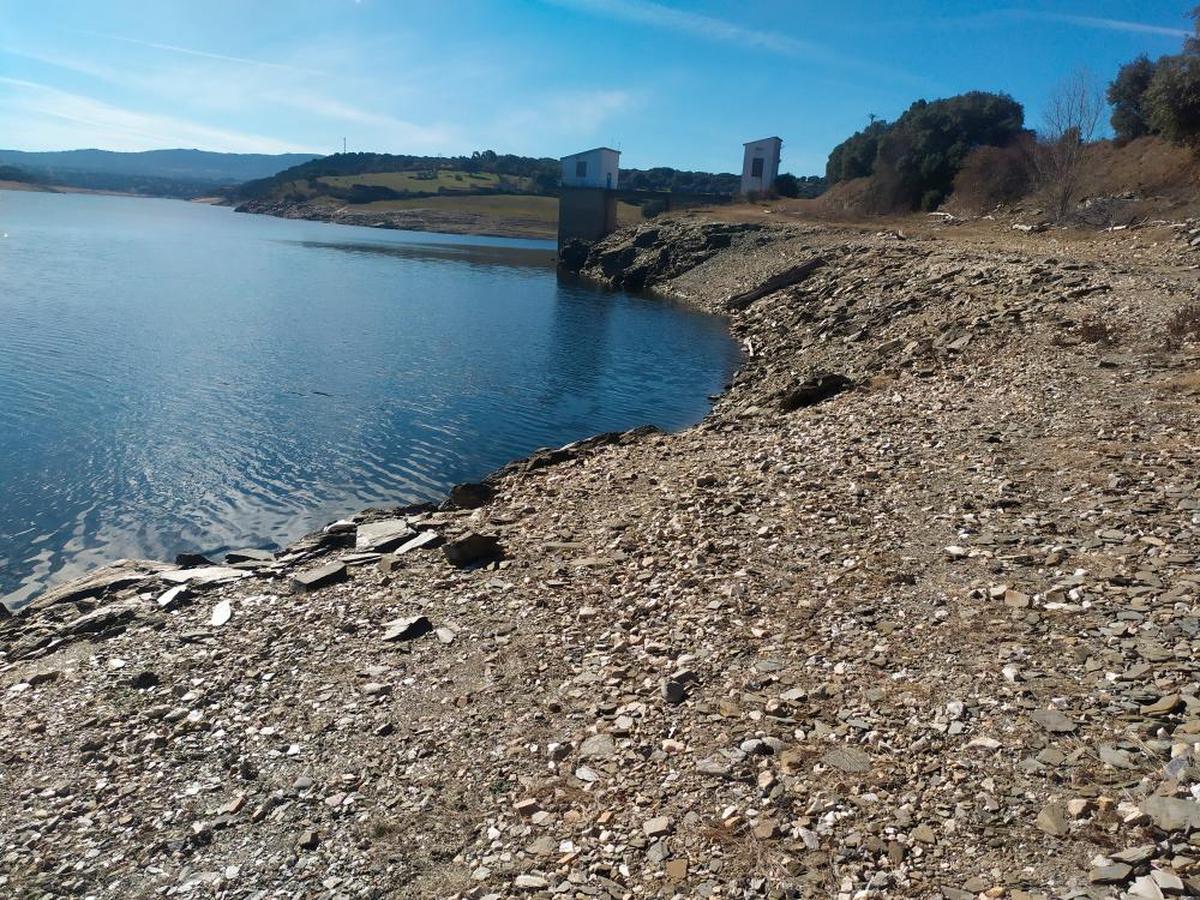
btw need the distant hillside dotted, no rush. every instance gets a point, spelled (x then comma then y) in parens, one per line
(373, 177)
(167, 173)
(195, 165)
(13, 173)
(369, 177)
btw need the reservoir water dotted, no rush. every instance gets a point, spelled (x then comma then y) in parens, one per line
(179, 377)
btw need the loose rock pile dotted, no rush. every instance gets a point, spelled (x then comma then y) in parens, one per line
(931, 634)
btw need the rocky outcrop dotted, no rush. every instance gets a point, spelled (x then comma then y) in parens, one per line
(641, 258)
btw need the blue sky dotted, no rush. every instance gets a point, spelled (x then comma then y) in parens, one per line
(669, 82)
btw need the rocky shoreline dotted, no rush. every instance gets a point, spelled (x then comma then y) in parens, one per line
(915, 611)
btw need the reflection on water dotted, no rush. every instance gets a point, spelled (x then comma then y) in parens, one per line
(176, 377)
(468, 254)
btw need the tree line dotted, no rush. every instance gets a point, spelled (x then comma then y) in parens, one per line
(978, 141)
(915, 158)
(1161, 96)
(543, 174)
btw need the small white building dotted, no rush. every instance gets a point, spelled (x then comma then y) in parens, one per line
(760, 165)
(592, 168)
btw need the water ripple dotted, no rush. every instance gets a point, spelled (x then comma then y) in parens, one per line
(177, 377)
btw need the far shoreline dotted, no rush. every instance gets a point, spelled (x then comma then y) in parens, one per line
(425, 220)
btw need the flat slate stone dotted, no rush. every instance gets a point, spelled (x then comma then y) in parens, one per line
(421, 541)
(174, 597)
(249, 555)
(1054, 721)
(1171, 814)
(110, 578)
(315, 579)
(1053, 820)
(102, 619)
(383, 536)
(598, 746)
(848, 759)
(1117, 873)
(1135, 856)
(203, 575)
(407, 629)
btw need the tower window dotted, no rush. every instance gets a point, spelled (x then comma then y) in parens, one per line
(581, 169)
(756, 167)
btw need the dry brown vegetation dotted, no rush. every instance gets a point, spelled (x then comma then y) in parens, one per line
(1184, 326)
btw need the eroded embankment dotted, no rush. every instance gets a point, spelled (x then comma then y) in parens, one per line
(935, 634)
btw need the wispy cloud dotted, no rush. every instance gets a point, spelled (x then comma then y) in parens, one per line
(215, 87)
(393, 132)
(125, 129)
(711, 28)
(205, 54)
(563, 118)
(65, 61)
(1105, 24)
(584, 113)
(695, 24)
(1006, 16)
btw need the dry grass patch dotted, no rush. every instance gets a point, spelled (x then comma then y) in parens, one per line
(1184, 326)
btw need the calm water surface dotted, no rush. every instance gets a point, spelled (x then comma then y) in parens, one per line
(177, 377)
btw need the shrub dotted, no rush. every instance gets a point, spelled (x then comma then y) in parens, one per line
(991, 176)
(1172, 101)
(1127, 96)
(1069, 125)
(1095, 330)
(855, 156)
(654, 207)
(1184, 326)
(787, 185)
(916, 158)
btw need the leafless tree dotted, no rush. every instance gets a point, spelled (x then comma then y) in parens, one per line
(1069, 123)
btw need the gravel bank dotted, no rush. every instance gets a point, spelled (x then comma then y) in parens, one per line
(930, 632)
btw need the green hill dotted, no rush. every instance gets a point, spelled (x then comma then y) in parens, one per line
(371, 177)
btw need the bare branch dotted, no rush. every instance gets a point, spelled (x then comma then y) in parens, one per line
(1070, 121)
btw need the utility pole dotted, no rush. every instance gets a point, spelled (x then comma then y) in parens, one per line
(343, 145)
